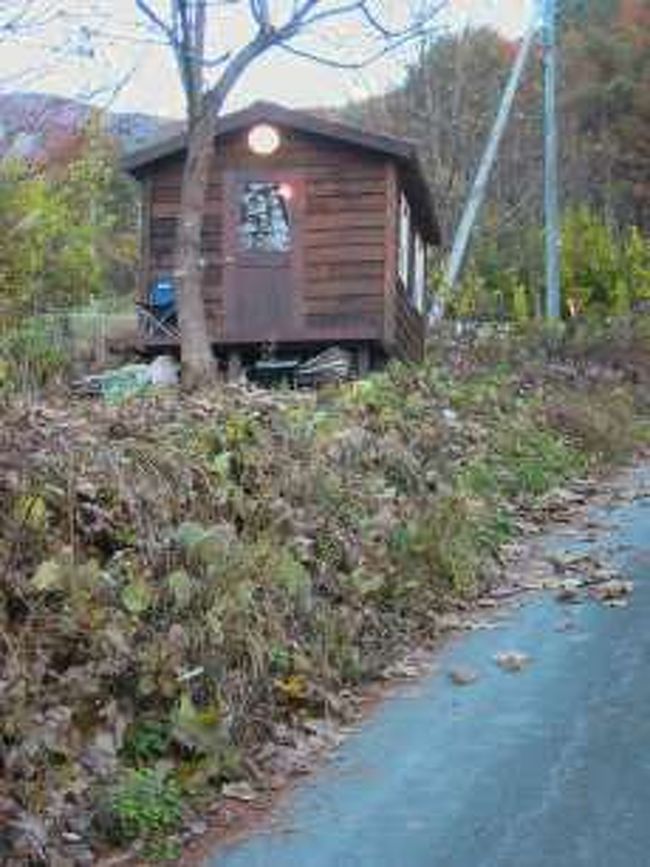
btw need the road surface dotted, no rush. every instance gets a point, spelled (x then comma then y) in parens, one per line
(549, 767)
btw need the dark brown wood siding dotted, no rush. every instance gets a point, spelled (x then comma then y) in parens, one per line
(404, 325)
(348, 259)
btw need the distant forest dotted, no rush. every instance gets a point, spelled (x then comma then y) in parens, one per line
(449, 100)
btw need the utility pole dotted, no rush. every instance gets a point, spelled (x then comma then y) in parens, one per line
(479, 186)
(552, 232)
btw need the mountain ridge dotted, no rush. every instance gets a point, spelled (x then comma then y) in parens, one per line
(40, 126)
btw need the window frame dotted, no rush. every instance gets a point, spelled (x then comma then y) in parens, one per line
(243, 239)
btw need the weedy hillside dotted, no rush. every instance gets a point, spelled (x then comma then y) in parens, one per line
(188, 583)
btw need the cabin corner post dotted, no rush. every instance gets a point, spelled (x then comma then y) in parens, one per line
(144, 269)
(390, 262)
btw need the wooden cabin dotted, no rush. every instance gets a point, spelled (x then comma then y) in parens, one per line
(315, 234)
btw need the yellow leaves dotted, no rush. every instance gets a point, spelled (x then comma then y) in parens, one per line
(31, 511)
(239, 429)
(48, 576)
(202, 717)
(198, 728)
(59, 573)
(294, 688)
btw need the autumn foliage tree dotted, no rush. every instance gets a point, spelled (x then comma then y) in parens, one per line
(67, 229)
(448, 102)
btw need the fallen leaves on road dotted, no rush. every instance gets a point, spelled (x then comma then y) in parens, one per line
(512, 660)
(569, 591)
(602, 581)
(614, 590)
(463, 676)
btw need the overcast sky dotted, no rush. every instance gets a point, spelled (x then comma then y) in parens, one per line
(84, 63)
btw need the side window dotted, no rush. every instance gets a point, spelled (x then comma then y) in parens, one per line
(420, 273)
(404, 260)
(264, 223)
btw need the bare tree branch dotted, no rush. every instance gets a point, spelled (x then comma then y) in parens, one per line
(393, 39)
(261, 13)
(336, 12)
(155, 19)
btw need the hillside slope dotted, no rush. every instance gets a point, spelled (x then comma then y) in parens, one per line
(188, 584)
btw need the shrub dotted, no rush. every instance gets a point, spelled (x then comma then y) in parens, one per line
(439, 554)
(523, 460)
(145, 805)
(600, 424)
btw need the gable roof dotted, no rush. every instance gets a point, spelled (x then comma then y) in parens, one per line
(403, 151)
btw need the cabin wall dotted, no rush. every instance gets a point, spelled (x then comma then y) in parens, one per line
(404, 330)
(346, 246)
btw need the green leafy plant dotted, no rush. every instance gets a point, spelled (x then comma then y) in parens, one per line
(31, 355)
(146, 741)
(523, 460)
(439, 553)
(146, 805)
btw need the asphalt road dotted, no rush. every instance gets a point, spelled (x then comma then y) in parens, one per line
(546, 768)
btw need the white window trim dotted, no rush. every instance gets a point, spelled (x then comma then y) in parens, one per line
(420, 273)
(404, 241)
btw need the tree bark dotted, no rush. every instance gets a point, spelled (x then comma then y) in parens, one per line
(198, 363)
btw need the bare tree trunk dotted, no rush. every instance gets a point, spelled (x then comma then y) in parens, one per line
(198, 362)
(196, 349)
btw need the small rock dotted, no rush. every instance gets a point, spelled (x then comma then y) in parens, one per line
(512, 660)
(241, 791)
(462, 676)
